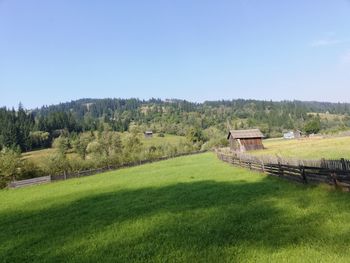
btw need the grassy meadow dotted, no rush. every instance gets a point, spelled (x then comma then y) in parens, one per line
(308, 148)
(188, 209)
(38, 156)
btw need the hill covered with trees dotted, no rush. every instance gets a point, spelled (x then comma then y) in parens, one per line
(36, 128)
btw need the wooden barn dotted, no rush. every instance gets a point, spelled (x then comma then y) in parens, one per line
(245, 140)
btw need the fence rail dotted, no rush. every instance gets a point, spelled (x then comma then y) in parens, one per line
(28, 182)
(332, 172)
(65, 176)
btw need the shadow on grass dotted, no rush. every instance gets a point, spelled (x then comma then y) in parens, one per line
(186, 221)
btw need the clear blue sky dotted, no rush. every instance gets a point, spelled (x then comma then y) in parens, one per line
(56, 51)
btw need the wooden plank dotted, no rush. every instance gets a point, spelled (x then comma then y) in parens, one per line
(28, 182)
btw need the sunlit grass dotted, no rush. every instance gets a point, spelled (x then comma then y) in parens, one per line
(188, 209)
(38, 156)
(308, 148)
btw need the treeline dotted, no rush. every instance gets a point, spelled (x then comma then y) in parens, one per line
(32, 129)
(15, 128)
(23, 131)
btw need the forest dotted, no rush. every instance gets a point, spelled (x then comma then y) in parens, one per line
(28, 129)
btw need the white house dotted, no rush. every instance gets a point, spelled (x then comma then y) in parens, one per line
(292, 135)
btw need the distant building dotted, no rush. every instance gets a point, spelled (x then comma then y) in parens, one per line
(148, 134)
(292, 135)
(245, 140)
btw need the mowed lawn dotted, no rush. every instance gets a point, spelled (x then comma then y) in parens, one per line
(308, 148)
(188, 209)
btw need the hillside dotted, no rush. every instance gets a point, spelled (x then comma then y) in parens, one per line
(36, 128)
(187, 209)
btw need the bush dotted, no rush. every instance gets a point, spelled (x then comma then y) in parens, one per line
(313, 126)
(215, 142)
(30, 170)
(62, 144)
(10, 166)
(57, 163)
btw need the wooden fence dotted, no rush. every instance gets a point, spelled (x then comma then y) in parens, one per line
(28, 182)
(65, 176)
(332, 172)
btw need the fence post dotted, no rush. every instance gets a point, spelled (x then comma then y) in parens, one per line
(343, 164)
(344, 168)
(262, 166)
(280, 168)
(302, 173)
(334, 177)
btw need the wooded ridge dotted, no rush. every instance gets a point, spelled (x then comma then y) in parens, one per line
(36, 128)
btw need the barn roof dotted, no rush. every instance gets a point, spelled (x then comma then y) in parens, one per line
(245, 134)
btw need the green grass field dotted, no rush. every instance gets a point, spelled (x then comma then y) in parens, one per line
(188, 209)
(309, 148)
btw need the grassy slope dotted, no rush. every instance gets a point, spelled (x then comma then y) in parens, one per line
(39, 155)
(313, 148)
(191, 209)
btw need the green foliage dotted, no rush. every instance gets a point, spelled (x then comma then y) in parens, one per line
(10, 165)
(57, 164)
(176, 117)
(40, 139)
(313, 126)
(195, 135)
(29, 170)
(132, 147)
(94, 148)
(214, 138)
(80, 144)
(62, 144)
(15, 127)
(134, 129)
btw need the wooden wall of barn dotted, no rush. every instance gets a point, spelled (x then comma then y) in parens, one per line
(249, 144)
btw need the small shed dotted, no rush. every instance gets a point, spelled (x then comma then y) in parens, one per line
(245, 140)
(148, 134)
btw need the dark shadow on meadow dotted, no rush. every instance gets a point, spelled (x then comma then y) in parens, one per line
(199, 216)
